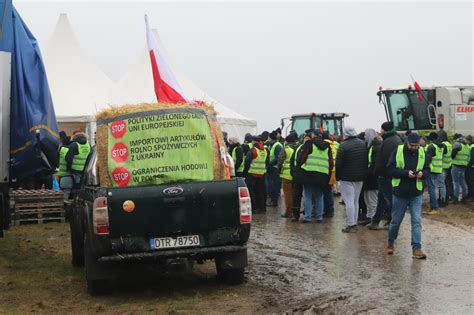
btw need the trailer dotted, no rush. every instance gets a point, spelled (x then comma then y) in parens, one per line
(28, 132)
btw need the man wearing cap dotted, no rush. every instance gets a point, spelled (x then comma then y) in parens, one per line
(284, 169)
(407, 166)
(298, 177)
(316, 162)
(273, 176)
(255, 167)
(391, 140)
(434, 158)
(351, 171)
(247, 145)
(237, 154)
(461, 156)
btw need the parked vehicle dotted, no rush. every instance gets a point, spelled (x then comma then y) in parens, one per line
(158, 224)
(440, 107)
(330, 122)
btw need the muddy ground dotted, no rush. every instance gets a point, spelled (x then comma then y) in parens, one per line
(312, 268)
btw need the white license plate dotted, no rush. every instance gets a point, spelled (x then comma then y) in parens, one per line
(170, 242)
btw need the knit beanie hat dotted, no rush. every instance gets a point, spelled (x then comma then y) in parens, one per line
(388, 126)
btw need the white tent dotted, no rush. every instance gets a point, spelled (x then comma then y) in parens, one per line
(78, 87)
(137, 86)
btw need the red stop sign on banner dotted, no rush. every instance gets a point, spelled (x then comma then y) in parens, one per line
(119, 152)
(121, 176)
(118, 129)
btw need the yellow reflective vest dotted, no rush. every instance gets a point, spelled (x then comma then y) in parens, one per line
(400, 163)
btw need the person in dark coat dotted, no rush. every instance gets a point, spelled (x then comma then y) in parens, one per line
(273, 175)
(391, 140)
(247, 145)
(316, 163)
(373, 143)
(351, 171)
(297, 174)
(76, 157)
(407, 166)
(237, 153)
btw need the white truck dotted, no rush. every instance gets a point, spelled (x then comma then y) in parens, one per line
(450, 108)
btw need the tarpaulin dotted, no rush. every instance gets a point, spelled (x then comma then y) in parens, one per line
(34, 135)
(6, 27)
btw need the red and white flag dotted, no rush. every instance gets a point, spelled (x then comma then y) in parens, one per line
(167, 88)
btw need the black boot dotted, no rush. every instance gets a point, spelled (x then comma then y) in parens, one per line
(296, 214)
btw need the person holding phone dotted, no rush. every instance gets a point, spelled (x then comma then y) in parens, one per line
(407, 166)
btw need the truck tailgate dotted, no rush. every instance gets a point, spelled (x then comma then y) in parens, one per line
(200, 207)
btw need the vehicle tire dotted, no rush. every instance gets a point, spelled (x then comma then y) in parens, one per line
(77, 247)
(96, 285)
(231, 276)
(77, 239)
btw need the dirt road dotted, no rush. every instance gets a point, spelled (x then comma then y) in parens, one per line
(293, 267)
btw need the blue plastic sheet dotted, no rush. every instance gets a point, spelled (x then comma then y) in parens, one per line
(34, 138)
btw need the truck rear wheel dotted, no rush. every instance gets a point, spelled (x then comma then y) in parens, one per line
(77, 240)
(96, 283)
(77, 248)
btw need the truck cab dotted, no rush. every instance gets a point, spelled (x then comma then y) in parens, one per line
(442, 107)
(330, 122)
(152, 225)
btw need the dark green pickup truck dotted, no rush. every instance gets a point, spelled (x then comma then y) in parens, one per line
(192, 221)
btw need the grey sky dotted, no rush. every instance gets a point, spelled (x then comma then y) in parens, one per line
(268, 60)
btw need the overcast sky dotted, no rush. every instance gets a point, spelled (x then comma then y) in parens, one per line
(268, 60)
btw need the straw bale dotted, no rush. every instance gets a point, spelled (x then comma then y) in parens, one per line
(115, 111)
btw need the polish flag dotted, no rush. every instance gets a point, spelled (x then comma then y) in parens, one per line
(419, 90)
(167, 88)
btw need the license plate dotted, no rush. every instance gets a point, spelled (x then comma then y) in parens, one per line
(170, 242)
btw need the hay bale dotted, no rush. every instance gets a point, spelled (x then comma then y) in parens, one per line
(118, 111)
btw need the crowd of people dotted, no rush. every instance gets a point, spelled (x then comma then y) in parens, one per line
(379, 175)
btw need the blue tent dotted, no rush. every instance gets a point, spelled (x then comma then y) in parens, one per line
(34, 138)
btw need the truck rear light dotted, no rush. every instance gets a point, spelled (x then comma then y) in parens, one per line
(245, 206)
(100, 216)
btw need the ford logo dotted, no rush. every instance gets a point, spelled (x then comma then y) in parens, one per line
(173, 191)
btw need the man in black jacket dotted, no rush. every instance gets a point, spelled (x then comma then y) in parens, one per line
(407, 166)
(371, 185)
(391, 140)
(351, 171)
(297, 174)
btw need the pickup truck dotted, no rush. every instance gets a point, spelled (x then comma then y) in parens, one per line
(194, 221)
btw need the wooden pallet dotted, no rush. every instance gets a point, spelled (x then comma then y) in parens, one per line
(37, 206)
